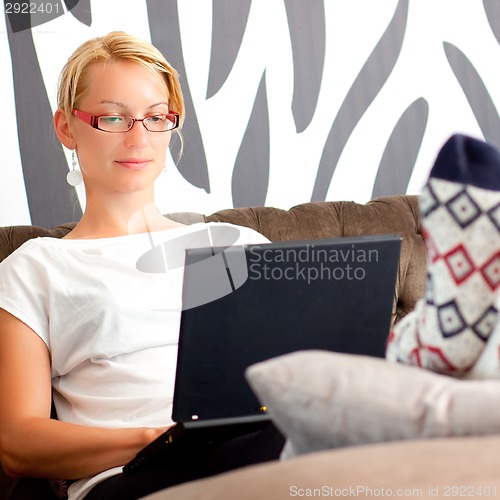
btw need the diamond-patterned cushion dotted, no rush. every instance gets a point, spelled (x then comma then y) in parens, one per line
(491, 271)
(484, 326)
(459, 263)
(451, 321)
(494, 215)
(463, 209)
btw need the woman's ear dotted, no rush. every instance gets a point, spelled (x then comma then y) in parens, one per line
(63, 130)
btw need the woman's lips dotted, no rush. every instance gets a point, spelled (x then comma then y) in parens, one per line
(134, 163)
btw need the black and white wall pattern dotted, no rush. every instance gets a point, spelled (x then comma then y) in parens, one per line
(287, 100)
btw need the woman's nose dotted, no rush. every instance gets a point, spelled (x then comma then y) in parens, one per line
(137, 135)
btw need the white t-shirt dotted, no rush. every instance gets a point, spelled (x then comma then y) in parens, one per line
(112, 329)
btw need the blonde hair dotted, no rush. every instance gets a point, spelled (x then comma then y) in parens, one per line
(115, 46)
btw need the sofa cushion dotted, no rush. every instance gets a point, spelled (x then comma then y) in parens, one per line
(439, 468)
(323, 400)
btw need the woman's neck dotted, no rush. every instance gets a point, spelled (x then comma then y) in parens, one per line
(119, 219)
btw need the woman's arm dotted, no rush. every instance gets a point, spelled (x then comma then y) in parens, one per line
(33, 444)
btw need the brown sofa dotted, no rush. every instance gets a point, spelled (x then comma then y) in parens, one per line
(395, 214)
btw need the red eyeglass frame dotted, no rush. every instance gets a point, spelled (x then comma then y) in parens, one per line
(93, 120)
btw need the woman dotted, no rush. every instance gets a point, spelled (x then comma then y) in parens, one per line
(78, 317)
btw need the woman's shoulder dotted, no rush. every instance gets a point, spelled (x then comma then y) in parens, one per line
(30, 246)
(30, 253)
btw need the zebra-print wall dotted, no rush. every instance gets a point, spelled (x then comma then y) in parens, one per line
(287, 100)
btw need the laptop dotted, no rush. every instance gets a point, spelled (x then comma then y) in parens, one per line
(246, 304)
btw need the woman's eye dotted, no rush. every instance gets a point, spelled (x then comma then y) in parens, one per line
(112, 119)
(156, 118)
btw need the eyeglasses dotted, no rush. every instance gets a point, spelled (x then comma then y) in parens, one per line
(122, 123)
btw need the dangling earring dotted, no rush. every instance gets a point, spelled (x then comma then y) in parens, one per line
(74, 177)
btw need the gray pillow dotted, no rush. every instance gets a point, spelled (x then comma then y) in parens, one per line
(322, 400)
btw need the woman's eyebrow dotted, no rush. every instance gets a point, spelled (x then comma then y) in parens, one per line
(163, 103)
(124, 106)
(119, 104)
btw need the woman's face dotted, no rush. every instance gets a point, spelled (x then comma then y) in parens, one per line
(126, 161)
